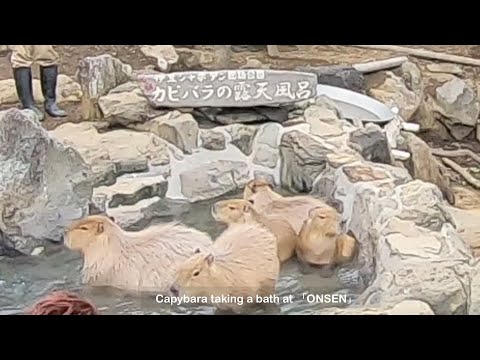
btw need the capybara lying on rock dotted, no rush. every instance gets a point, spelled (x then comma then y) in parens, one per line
(322, 242)
(241, 263)
(239, 211)
(144, 261)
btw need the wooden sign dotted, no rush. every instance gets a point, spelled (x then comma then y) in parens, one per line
(228, 88)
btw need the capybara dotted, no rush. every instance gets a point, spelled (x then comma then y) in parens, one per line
(259, 185)
(241, 264)
(294, 209)
(239, 211)
(322, 241)
(144, 261)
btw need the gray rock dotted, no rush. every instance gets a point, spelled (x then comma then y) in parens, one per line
(165, 55)
(113, 153)
(213, 179)
(213, 140)
(126, 105)
(340, 76)
(458, 105)
(229, 116)
(44, 185)
(266, 156)
(372, 143)
(242, 137)
(228, 88)
(178, 129)
(395, 93)
(97, 76)
(324, 118)
(422, 165)
(302, 160)
(137, 216)
(128, 191)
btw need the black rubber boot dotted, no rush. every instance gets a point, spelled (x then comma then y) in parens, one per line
(48, 75)
(23, 84)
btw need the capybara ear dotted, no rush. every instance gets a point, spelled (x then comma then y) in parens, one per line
(209, 259)
(246, 207)
(100, 227)
(314, 212)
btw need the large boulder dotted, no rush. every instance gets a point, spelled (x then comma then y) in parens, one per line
(266, 150)
(394, 93)
(97, 76)
(114, 153)
(126, 105)
(213, 179)
(44, 185)
(372, 143)
(178, 129)
(422, 165)
(303, 158)
(455, 103)
(242, 137)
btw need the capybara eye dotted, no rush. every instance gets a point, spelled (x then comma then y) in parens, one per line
(196, 273)
(250, 201)
(231, 207)
(84, 228)
(197, 251)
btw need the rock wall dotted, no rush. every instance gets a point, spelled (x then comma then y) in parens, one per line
(44, 185)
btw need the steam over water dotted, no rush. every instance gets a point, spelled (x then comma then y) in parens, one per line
(24, 280)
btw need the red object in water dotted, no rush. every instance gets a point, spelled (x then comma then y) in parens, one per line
(62, 303)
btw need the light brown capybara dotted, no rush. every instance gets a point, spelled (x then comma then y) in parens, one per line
(144, 261)
(240, 211)
(259, 185)
(241, 264)
(322, 242)
(294, 209)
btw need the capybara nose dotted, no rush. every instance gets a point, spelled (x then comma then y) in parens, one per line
(174, 290)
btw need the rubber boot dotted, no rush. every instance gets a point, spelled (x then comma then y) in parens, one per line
(48, 76)
(23, 84)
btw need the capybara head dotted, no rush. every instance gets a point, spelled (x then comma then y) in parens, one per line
(195, 277)
(82, 233)
(231, 211)
(323, 222)
(255, 186)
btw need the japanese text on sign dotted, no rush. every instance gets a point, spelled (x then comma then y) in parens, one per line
(240, 88)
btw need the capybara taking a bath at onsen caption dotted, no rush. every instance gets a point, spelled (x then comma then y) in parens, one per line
(241, 263)
(239, 211)
(144, 261)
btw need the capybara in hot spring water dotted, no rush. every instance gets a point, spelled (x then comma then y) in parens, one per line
(241, 264)
(322, 242)
(239, 211)
(143, 261)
